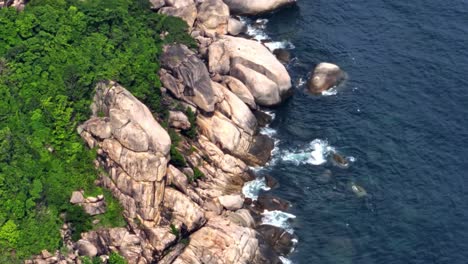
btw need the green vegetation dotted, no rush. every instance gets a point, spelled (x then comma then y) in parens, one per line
(115, 258)
(174, 230)
(197, 174)
(177, 159)
(51, 56)
(192, 132)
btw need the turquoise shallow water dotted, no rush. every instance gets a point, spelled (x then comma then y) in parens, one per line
(403, 116)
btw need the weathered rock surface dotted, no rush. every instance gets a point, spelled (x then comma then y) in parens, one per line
(280, 240)
(236, 27)
(324, 77)
(178, 120)
(240, 90)
(221, 241)
(120, 239)
(231, 202)
(183, 209)
(187, 13)
(157, 4)
(213, 16)
(136, 151)
(190, 80)
(18, 4)
(91, 205)
(254, 65)
(248, 7)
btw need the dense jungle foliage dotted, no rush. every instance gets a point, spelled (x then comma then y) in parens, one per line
(51, 56)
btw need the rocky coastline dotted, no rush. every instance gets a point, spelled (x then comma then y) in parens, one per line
(194, 212)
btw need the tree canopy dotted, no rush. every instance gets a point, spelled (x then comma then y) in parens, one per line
(51, 56)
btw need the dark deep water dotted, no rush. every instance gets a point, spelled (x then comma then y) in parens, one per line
(403, 114)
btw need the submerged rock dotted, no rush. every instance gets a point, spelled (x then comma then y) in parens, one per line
(249, 7)
(339, 160)
(358, 190)
(324, 77)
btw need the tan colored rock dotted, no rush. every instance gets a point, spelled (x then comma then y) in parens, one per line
(240, 90)
(187, 13)
(120, 239)
(117, 97)
(77, 197)
(157, 4)
(94, 208)
(264, 90)
(231, 202)
(221, 241)
(254, 65)
(192, 73)
(18, 4)
(160, 238)
(132, 137)
(219, 59)
(242, 217)
(99, 128)
(183, 209)
(248, 7)
(324, 77)
(213, 16)
(178, 120)
(240, 113)
(86, 248)
(179, 3)
(236, 27)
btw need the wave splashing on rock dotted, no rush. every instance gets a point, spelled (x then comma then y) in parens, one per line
(279, 219)
(252, 189)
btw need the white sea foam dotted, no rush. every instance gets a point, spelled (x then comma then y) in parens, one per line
(270, 113)
(316, 153)
(320, 151)
(301, 82)
(252, 189)
(285, 260)
(256, 30)
(279, 219)
(331, 91)
(295, 157)
(268, 131)
(285, 44)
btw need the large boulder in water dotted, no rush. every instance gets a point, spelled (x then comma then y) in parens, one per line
(279, 239)
(250, 7)
(325, 76)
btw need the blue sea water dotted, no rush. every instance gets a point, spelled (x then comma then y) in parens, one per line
(402, 115)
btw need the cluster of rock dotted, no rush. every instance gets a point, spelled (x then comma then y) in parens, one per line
(18, 4)
(91, 205)
(173, 216)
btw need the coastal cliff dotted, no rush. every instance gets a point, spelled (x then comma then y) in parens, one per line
(179, 180)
